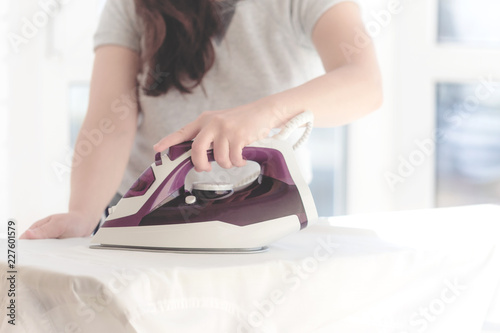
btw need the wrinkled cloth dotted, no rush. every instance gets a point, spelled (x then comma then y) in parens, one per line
(431, 270)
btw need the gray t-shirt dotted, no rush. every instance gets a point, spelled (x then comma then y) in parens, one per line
(267, 48)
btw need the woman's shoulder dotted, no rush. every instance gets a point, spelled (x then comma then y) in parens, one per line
(119, 25)
(295, 17)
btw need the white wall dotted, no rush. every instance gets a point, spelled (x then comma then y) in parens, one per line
(59, 51)
(4, 115)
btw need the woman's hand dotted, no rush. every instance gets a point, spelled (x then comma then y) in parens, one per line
(229, 131)
(65, 225)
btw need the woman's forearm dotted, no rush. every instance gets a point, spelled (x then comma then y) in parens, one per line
(336, 98)
(351, 87)
(103, 146)
(95, 178)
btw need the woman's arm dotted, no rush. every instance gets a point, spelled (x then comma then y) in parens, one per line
(350, 89)
(103, 145)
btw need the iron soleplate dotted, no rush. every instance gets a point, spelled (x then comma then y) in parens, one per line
(181, 250)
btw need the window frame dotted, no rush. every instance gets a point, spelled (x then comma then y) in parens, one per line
(423, 62)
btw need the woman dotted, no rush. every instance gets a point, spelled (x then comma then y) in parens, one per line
(223, 71)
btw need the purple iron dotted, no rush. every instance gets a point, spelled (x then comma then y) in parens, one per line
(171, 207)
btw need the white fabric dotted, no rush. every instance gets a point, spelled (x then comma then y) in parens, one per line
(367, 273)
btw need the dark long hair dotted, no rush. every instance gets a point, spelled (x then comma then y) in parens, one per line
(178, 51)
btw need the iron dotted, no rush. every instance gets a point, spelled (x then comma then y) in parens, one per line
(171, 207)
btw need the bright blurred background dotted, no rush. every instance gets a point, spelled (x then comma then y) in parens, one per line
(435, 142)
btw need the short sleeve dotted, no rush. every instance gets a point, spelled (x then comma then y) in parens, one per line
(119, 25)
(306, 13)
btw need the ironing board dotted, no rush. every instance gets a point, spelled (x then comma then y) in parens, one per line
(430, 270)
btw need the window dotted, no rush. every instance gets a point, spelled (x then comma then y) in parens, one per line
(469, 23)
(327, 152)
(468, 155)
(449, 95)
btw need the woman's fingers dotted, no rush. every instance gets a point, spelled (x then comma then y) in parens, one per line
(199, 152)
(28, 233)
(49, 227)
(235, 154)
(221, 152)
(186, 133)
(228, 130)
(37, 233)
(226, 154)
(71, 224)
